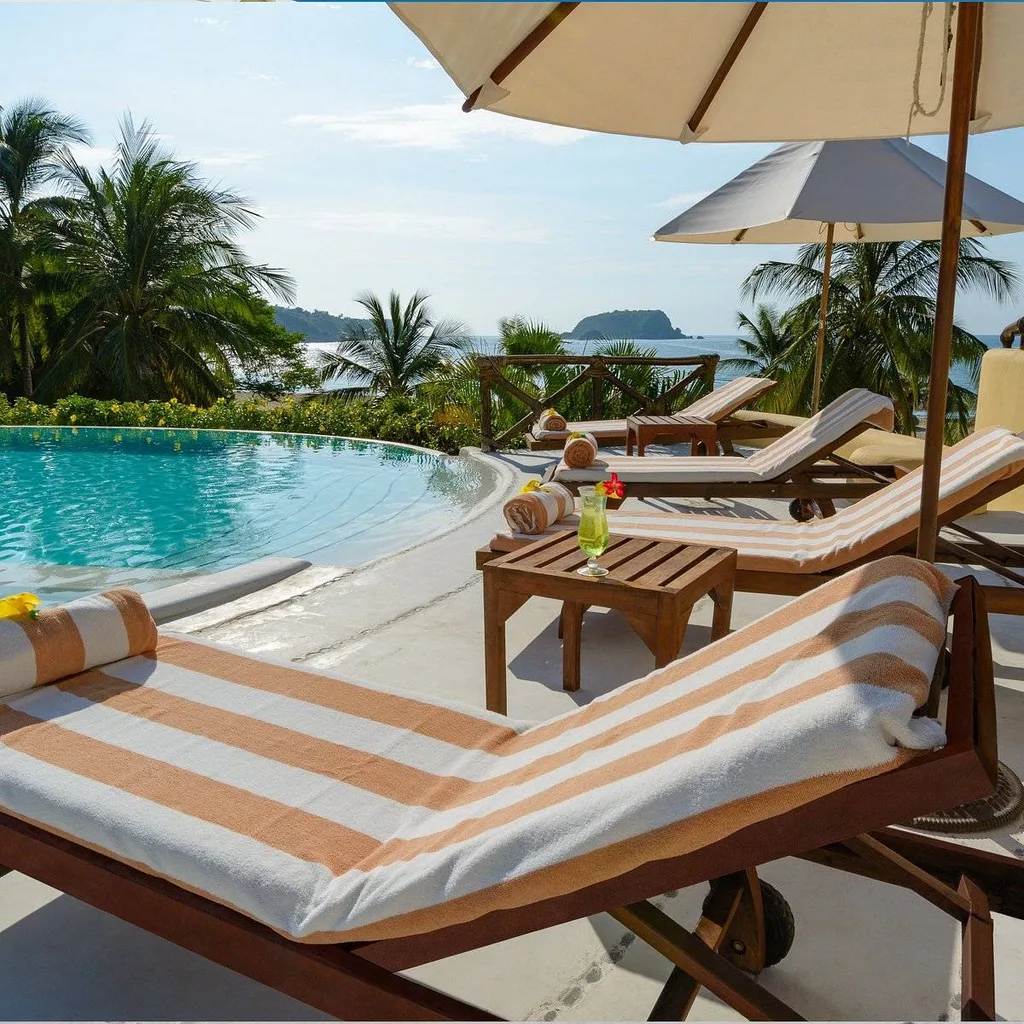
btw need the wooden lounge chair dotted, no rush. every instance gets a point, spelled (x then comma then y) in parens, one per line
(792, 558)
(718, 406)
(802, 465)
(321, 836)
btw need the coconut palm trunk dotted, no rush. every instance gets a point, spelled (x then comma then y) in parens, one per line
(25, 352)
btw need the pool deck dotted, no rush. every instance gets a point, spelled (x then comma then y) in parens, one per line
(414, 620)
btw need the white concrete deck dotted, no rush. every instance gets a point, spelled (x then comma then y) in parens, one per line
(863, 950)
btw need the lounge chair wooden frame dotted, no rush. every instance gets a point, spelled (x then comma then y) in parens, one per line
(730, 432)
(360, 981)
(821, 477)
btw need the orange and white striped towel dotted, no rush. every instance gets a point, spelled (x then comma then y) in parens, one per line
(332, 811)
(820, 434)
(858, 531)
(65, 640)
(534, 511)
(715, 406)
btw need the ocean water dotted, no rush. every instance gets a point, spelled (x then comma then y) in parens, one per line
(724, 345)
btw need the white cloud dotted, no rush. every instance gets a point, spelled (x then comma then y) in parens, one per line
(218, 23)
(456, 227)
(229, 159)
(681, 201)
(92, 157)
(261, 76)
(424, 63)
(437, 126)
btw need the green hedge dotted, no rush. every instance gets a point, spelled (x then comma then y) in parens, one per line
(403, 420)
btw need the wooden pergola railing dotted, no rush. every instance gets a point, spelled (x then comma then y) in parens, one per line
(599, 370)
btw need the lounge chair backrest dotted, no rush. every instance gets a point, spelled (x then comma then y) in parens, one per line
(729, 397)
(823, 431)
(968, 468)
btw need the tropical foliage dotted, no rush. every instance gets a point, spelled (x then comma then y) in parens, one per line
(400, 347)
(455, 388)
(400, 419)
(33, 141)
(881, 309)
(125, 282)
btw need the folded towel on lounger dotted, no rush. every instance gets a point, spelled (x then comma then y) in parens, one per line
(537, 507)
(62, 641)
(580, 450)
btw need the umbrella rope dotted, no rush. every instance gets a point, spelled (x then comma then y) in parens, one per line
(916, 105)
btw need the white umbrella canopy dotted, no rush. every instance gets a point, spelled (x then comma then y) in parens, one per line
(742, 72)
(861, 190)
(723, 72)
(872, 190)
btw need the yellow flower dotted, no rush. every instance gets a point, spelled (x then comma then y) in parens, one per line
(532, 485)
(19, 604)
(159, 423)
(115, 407)
(74, 418)
(173, 401)
(192, 408)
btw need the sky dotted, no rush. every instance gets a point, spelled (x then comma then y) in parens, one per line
(333, 120)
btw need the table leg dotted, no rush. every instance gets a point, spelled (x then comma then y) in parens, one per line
(721, 621)
(629, 441)
(495, 673)
(641, 441)
(671, 630)
(572, 625)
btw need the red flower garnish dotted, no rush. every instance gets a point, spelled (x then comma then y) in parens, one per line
(612, 488)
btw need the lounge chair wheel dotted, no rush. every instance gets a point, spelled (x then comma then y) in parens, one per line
(801, 510)
(779, 925)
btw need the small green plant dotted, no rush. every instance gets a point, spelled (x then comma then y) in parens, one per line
(400, 419)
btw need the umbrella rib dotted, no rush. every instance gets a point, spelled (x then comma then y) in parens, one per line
(719, 77)
(530, 42)
(979, 225)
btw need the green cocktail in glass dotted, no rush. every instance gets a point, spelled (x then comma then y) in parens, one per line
(593, 530)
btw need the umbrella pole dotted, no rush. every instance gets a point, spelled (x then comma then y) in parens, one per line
(968, 24)
(819, 352)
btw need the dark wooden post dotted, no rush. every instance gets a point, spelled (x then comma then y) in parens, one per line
(596, 383)
(486, 429)
(965, 72)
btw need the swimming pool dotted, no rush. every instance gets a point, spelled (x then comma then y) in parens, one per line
(89, 507)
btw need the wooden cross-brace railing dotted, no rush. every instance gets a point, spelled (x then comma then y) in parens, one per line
(597, 369)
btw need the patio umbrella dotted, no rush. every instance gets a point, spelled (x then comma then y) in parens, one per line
(742, 72)
(864, 190)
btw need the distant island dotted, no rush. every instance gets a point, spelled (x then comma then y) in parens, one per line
(648, 324)
(317, 325)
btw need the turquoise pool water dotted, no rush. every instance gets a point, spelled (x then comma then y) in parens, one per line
(83, 508)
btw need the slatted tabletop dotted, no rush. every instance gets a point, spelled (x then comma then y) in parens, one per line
(632, 562)
(653, 583)
(641, 430)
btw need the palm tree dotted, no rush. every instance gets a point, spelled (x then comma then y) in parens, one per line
(165, 302)
(777, 345)
(880, 317)
(400, 347)
(33, 140)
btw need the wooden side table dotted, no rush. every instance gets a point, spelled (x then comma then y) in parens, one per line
(654, 583)
(642, 430)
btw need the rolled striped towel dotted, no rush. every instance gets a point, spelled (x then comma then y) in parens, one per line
(533, 510)
(550, 419)
(63, 641)
(580, 451)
